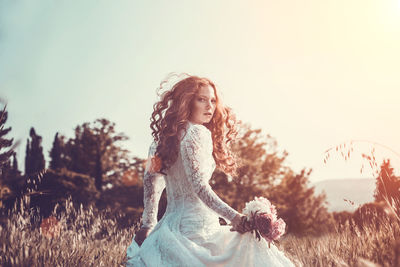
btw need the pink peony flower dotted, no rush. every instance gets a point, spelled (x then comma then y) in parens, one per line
(278, 229)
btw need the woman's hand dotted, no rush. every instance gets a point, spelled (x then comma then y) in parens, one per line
(239, 224)
(141, 235)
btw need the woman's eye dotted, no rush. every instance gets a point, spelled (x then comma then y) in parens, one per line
(204, 100)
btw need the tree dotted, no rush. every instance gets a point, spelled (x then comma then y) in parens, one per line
(56, 153)
(94, 151)
(10, 178)
(262, 172)
(4, 143)
(56, 186)
(14, 172)
(259, 167)
(387, 184)
(303, 211)
(34, 158)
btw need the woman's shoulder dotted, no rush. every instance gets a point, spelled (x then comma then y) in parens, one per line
(199, 128)
(153, 147)
(197, 131)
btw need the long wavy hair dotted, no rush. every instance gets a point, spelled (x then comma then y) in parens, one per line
(172, 112)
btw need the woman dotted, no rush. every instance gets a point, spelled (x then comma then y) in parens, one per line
(191, 128)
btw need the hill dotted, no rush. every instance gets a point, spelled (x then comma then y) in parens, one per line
(357, 190)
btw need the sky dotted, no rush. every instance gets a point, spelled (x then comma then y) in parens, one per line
(312, 74)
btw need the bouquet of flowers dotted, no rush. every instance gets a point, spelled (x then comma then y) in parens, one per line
(261, 218)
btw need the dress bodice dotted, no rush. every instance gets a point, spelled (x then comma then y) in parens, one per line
(187, 180)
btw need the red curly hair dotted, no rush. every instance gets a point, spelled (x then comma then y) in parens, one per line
(173, 111)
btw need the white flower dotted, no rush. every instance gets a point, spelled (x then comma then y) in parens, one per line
(260, 204)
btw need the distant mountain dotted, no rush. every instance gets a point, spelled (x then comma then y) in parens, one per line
(359, 191)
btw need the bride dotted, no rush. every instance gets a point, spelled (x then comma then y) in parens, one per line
(191, 128)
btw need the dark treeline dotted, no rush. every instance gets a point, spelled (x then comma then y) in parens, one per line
(91, 167)
(95, 170)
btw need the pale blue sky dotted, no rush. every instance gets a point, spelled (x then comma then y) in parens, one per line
(310, 73)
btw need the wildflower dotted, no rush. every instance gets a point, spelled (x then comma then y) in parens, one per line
(50, 227)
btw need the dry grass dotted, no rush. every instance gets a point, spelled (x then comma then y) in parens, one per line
(350, 245)
(82, 238)
(74, 238)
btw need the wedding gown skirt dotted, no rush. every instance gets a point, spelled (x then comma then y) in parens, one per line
(189, 233)
(208, 244)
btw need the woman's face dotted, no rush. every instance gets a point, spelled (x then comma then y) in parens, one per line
(203, 105)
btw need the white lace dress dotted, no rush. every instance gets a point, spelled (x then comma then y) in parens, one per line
(189, 233)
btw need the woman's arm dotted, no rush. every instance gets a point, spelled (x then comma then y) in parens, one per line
(196, 150)
(153, 185)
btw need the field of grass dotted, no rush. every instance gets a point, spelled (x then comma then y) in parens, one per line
(349, 246)
(79, 237)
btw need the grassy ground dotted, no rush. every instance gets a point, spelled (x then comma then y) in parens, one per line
(351, 246)
(93, 240)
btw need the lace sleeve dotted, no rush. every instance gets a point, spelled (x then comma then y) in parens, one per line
(153, 185)
(196, 150)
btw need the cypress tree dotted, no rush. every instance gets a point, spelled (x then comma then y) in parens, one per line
(34, 159)
(28, 161)
(14, 167)
(56, 154)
